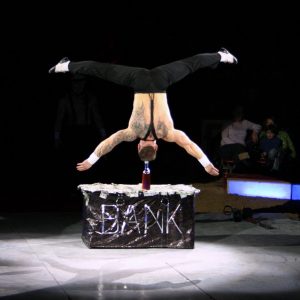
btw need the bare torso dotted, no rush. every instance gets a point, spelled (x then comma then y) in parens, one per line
(141, 115)
(138, 127)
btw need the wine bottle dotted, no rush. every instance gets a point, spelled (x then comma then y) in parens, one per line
(146, 180)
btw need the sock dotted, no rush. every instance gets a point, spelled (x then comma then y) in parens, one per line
(227, 58)
(62, 68)
(223, 56)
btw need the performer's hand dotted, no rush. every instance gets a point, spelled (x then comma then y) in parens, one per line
(83, 166)
(212, 170)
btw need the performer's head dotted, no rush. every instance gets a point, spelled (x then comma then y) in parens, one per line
(147, 150)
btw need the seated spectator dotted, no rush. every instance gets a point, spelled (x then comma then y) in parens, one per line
(288, 155)
(270, 146)
(288, 147)
(233, 142)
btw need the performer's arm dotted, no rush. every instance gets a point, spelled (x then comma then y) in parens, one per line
(181, 139)
(106, 146)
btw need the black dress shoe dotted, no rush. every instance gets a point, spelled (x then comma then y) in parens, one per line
(224, 50)
(63, 60)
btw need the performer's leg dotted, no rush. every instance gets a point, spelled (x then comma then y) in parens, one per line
(175, 71)
(119, 74)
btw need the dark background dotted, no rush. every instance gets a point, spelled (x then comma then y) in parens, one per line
(145, 34)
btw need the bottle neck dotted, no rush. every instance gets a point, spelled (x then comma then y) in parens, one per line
(146, 168)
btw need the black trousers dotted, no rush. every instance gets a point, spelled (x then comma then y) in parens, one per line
(142, 80)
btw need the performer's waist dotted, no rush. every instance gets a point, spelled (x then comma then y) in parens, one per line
(150, 91)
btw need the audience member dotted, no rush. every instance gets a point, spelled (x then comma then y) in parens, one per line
(270, 146)
(78, 126)
(234, 146)
(287, 144)
(287, 156)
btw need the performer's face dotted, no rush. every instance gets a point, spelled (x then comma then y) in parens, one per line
(147, 150)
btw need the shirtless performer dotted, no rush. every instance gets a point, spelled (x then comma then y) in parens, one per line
(151, 118)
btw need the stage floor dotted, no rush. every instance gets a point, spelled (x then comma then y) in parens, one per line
(43, 257)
